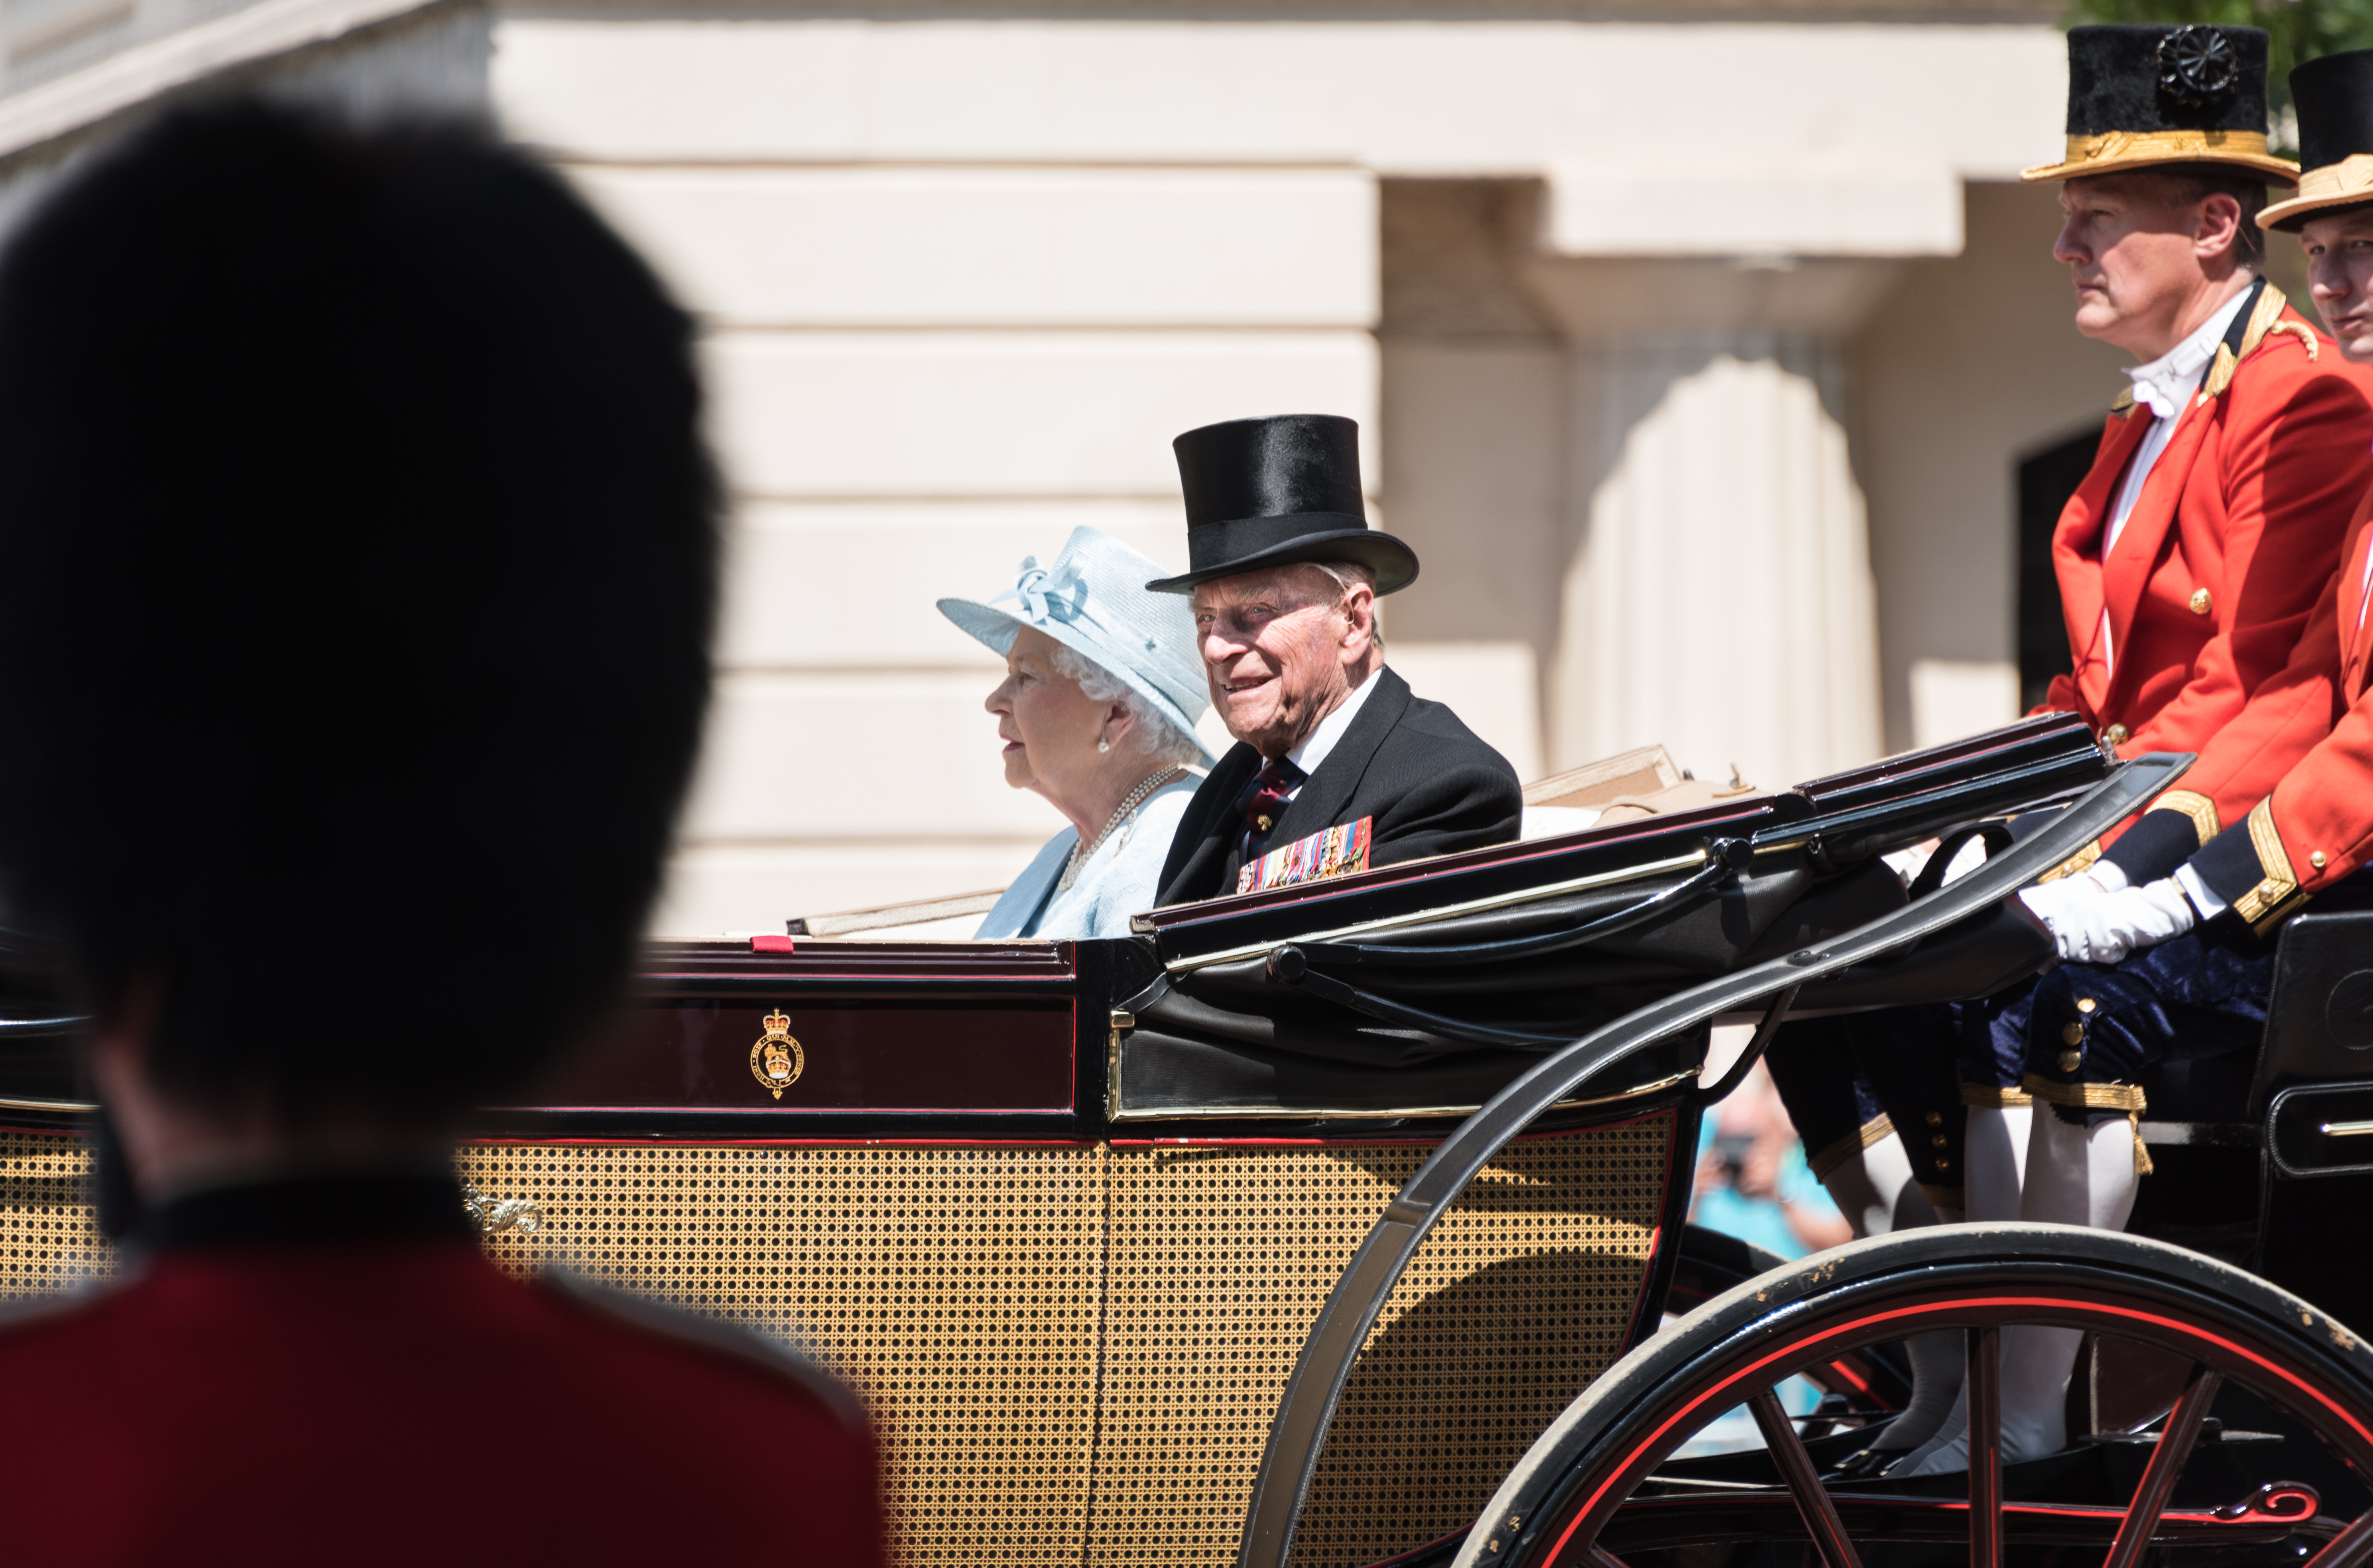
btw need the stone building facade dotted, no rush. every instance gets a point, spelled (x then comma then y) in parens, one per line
(1696, 347)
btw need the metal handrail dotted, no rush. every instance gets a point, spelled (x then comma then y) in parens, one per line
(1298, 1433)
(1725, 859)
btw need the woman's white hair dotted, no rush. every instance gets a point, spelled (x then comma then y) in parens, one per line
(1164, 741)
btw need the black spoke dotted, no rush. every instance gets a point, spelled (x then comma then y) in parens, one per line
(1813, 1502)
(2348, 1548)
(1984, 1384)
(2166, 1462)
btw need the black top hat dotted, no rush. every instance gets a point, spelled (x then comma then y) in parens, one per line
(1271, 492)
(2145, 95)
(2334, 99)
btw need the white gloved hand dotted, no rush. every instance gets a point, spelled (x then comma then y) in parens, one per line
(2048, 899)
(2104, 929)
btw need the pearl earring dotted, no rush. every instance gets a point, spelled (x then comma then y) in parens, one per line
(1104, 745)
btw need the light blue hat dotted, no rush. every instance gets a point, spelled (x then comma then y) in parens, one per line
(1094, 602)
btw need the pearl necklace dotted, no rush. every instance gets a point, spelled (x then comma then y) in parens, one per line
(1082, 853)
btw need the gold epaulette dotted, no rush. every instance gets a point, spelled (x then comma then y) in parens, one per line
(2124, 403)
(2277, 893)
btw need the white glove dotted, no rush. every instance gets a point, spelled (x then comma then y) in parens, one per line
(2050, 898)
(2104, 929)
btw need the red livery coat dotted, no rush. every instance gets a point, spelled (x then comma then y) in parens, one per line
(2211, 584)
(2316, 825)
(402, 1402)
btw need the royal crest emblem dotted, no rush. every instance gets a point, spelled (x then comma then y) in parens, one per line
(776, 1060)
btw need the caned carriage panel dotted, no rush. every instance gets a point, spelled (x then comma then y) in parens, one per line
(49, 1228)
(954, 1287)
(959, 1287)
(1222, 1256)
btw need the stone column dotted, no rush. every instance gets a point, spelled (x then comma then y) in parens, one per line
(1716, 592)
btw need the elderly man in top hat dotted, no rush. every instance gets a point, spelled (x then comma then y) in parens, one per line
(1284, 574)
(2189, 561)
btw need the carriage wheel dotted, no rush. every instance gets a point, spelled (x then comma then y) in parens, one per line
(1866, 1385)
(1597, 1490)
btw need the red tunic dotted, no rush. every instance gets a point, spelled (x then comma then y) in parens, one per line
(402, 1402)
(2234, 537)
(2316, 825)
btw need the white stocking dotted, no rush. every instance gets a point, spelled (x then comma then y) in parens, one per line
(2075, 1176)
(2080, 1175)
(1993, 1160)
(1874, 1190)
(1937, 1364)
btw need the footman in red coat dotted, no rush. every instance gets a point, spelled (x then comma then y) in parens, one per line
(2189, 562)
(2165, 941)
(359, 555)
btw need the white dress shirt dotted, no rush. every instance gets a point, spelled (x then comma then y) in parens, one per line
(1315, 745)
(2165, 386)
(1319, 742)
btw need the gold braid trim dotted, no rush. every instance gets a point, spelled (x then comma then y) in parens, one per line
(2099, 152)
(2220, 372)
(2073, 864)
(2126, 1097)
(2302, 330)
(2265, 904)
(2197, 807)
(1872, 1131)
(2263, 316)
(2088, 1097)
(2124, 403)
(1985, 1096)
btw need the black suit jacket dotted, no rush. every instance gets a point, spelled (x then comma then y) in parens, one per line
(1432, 786)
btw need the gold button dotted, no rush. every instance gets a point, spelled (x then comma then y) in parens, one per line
(2200, 601)
(2085, 1005)
(2115, 734)
(1939, 1141)
(2316, 859)
(1943, 1166)
(1935, 1118)
(2070, 1061)
(2072, 1034)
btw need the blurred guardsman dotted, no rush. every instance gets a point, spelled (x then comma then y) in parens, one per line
(359, 555)
(1283, 581)
(2189, 562)
(2176, 958)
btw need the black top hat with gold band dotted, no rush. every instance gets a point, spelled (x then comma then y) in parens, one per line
(2334, 96)
(1271, 492)
(2146, 96)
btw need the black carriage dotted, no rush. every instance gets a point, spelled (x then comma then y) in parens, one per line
(1345, 1223)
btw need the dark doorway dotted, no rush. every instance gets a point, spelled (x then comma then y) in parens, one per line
(2046, 480)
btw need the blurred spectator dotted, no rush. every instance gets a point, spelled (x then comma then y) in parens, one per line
(359, 560)
(1752, 1179)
